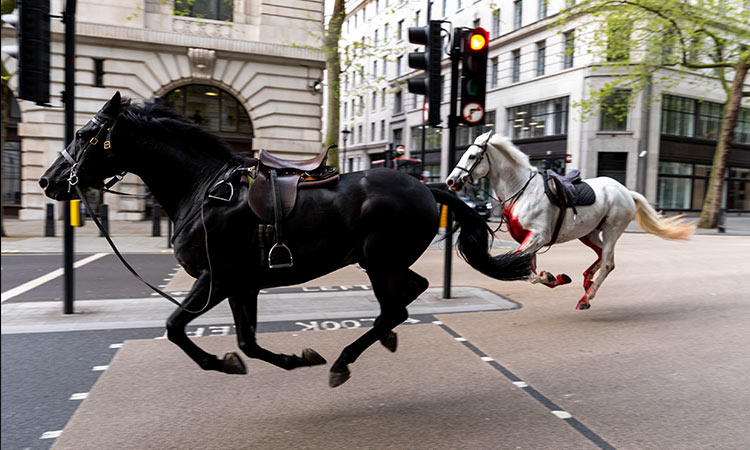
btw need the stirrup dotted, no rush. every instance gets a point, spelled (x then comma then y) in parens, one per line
(281, 265)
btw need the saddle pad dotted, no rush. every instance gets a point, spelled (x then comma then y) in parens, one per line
(586, 195)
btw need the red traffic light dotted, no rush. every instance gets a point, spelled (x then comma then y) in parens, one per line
(478, 39)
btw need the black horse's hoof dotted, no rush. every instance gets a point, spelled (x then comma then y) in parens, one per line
(232, 363)
(565, 279)
(336, 379)
(312, 357)
(390, 341)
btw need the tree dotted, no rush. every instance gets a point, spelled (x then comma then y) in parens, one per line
(333, 68)
(638, 39)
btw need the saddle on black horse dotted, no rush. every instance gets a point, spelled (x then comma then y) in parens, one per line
(566, 191)
(274, 183)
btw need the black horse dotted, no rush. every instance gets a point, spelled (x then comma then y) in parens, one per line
(381, 219)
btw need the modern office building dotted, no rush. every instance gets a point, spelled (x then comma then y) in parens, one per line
(245, 70)
(537, 73)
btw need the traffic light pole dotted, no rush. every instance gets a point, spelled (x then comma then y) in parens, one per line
(69, 18)
(452, 125)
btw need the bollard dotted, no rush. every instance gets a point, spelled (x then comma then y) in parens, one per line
(104, 219)
(49, 221)
(156, 224)
(169, 233)
(721, 221)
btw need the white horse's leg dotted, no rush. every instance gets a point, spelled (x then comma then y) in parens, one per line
(594, 242)
(533, 243)
(606, 263)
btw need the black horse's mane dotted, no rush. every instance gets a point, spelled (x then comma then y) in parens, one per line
(167, 120)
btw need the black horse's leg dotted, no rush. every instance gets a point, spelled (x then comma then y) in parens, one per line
(197, 301)
(394, 293)
(244, 309)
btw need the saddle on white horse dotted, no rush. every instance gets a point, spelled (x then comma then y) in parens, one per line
(566, 192)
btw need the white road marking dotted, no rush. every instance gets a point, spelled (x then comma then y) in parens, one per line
(116, 345)
(562, 414)
(51, 434)
(29, 285)
(487, 359)
(521, 384)
(437, 322)
(79, 396)
(99, 368)
(460, 339)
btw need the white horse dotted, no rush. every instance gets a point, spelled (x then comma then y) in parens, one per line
(531, 217)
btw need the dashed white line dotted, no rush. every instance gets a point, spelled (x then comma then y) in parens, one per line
(79, 396)
(29, 285)
(437, 322)
(115, 345)
(562, 414)
(460, 339)
(521, 384)
(99, 368)
(487, 359)
(51, 434)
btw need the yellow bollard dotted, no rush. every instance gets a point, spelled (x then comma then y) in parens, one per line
(75, 213)
(443, 216)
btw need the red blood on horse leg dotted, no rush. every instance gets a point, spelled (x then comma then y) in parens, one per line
(588, 274)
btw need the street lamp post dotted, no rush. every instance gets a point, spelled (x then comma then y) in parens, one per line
(346, 132)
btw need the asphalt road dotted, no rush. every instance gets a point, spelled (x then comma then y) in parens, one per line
(660, 361)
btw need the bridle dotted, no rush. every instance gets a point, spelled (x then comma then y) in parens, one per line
(106, 127)
(478, 160)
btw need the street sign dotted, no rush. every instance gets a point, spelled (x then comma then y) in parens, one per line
(426, 112)
(400, 150)
(472, 113)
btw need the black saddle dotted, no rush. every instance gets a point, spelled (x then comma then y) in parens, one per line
(569, 190)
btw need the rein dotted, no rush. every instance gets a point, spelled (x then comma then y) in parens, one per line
(513, 199)
(73, 183)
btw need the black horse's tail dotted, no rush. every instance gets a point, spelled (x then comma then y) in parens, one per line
(473, 240)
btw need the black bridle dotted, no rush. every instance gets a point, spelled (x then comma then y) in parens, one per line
(107, 127)
(479, 159)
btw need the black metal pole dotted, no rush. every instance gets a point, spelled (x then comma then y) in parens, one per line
(69, 18)
(452, 123)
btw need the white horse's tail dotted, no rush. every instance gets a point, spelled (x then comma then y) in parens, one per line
(653, 222)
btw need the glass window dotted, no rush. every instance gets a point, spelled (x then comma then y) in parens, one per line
(678, 116)
(709, 120)
(210, 107)
(516, 66)
(433, 138)
(742, 131)
(12, 173)
(517, 13)
(541, 48)
(398, 105)
(569, 39)
(618, 39)
(495, 23)
(542, 9)
(205, 9)
(493, 73)
(614, 111)
(548, 118)
(467, 135)
(673, 193)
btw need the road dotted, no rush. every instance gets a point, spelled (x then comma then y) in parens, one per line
(660, 361)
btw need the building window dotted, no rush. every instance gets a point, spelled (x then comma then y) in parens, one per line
(432, 139)
(98, 72)
(542, 9)
(400, 30)
(547, 118)
(346, 109)
(541, 48)
(477, 22)
(516, 66)
(614, 111)
(398, 102)
(375, 37)
(12, 173)
(372, 131)
(361, 105)
(493, 72)
(618, 39)
(382, 130)
(517, 14)
(569, 40)
(445, 8)
(398, 135)
(206, 9)
(417, 16)
(374, 100)
(359, 133)
(374, 69)
(495, 24)
(613, 165)
(386, 31)
(700, 119)
(467, 135)
(210, 107)
(382, 98)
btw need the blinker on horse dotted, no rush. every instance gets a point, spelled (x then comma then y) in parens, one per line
(381, 219)
(595, 211)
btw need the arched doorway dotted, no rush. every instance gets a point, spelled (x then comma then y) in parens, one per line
(217, 111)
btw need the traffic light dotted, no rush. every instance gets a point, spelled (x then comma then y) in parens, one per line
(33, 50)
(429, 60)
(474, 75)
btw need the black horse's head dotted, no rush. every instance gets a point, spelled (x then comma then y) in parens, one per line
(88, 158)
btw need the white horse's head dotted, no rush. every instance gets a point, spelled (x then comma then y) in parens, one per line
(473, 164)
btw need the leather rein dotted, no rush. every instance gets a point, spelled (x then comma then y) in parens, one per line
(73, 183)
